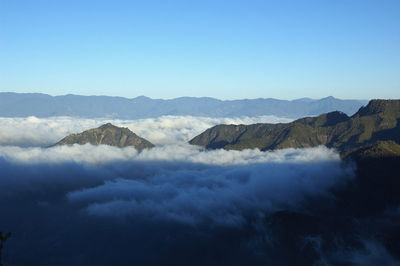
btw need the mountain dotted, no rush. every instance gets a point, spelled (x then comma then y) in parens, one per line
(43, 105)
(378, 121)
(376, 150)
(107, 134)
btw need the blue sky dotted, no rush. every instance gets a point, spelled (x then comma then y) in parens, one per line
(223, 49)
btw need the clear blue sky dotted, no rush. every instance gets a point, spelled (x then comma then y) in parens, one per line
(223, 49)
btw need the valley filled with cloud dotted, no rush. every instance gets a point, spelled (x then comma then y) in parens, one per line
(33, 131)
(172, 203)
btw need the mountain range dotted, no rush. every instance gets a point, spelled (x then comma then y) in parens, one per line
(43, 105)
(378, 121)
(370, 138)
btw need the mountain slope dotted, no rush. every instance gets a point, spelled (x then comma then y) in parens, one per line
(376, 150)
(107, 134)
(42, 105)
(379, 120)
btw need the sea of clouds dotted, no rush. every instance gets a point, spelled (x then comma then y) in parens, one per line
(174, 180)
(33, 131)
(186, 184)
(61, 193)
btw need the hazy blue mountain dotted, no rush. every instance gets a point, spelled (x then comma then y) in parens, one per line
(43, 105)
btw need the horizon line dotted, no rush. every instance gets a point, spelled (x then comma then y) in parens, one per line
(180, 97)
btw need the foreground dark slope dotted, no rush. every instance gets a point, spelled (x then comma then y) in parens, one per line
(379, 120)
(107, 134)
(43, 105)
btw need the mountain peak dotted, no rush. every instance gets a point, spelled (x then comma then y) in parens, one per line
(108, 125)
(335, 117)
(330, 98)
(107, 134)
(377, 106)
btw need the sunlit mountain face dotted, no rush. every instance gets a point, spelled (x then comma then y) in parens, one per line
(182, 204)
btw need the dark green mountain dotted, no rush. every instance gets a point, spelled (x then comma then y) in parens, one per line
(375, 150)
(378, 121)
(107, 134)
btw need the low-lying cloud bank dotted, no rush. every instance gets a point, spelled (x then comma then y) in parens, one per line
(178, 182)
(174, 181)
(174, 204)
(248, 184)
(182, 152)
(33, 131)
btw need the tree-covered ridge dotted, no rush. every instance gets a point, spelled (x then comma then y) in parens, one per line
(378, 121)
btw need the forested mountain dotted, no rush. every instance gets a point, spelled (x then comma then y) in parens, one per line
(378, 121)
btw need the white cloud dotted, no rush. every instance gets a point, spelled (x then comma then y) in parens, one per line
(221, 195)
(176, 180)
(91, 154)
(32, 131)
(181, 182)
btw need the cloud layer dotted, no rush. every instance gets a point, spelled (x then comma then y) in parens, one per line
(223, 192)
(33, 131)
(183, 182)
(177, 203)
(175, 180)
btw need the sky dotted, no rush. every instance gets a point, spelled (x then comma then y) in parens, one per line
(223, 49)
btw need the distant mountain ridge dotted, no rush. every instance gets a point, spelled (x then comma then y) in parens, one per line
(107, 134)
(378, 121)
(43, 105)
